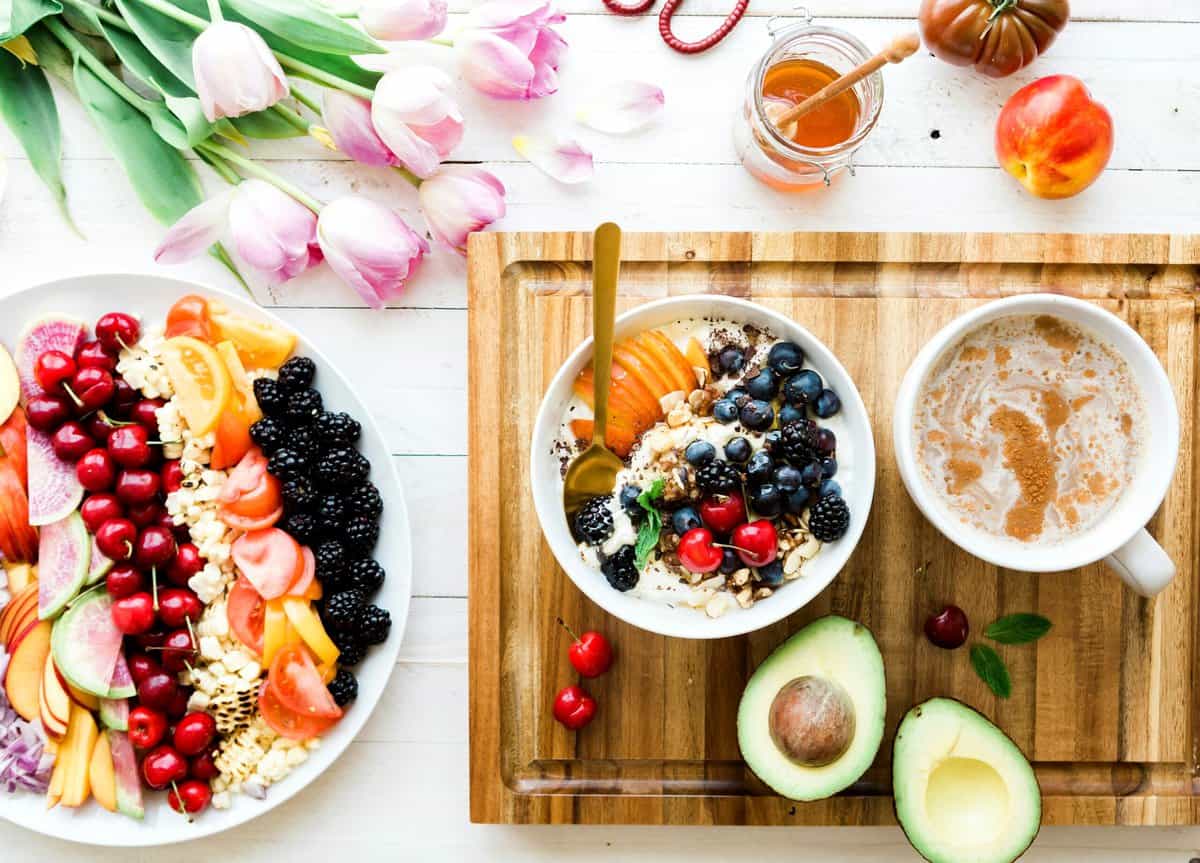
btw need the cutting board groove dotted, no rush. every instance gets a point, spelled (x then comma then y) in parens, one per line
(1104, 705)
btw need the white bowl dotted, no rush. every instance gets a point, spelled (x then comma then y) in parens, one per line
(148, 296)
(856, 475)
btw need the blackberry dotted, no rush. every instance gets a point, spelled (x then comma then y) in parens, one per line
(299, 494)
(303, 406)
(361, 534)
(337, 428)
(798, 442)
(269, 434)
(343, 687)
(270, 397)
(621, 570)
(343, 611)
(331, 563)
(719, 477)
(331, 513)
(287, 464)
(303, 440)
(351, 650)
(297, 374)
(365, 575)
(365, 501)
(374, 624)
(829, 518)
(594, 522)
(342, 467)
(301, 526)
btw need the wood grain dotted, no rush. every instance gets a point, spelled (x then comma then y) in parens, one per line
(1103, 706)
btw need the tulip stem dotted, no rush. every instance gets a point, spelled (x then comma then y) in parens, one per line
(222, 167)
(442, 40)
(321, 76)
(214, 11)
(79, 51)
(307, 101)
(408, 175)
(103, 14)
(292, 117)
(175, 13)
(255, 170)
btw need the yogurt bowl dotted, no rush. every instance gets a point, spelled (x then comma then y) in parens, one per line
(655, 604)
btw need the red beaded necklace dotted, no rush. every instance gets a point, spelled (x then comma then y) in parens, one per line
(664, 23)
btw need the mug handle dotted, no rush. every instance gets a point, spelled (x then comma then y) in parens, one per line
(1142, 564)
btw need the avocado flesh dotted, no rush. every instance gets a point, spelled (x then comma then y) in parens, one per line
(835, 649)
(964, 792)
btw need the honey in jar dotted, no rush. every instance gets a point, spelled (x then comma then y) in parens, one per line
(789, 83)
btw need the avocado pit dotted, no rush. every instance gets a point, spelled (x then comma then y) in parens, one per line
(811, 721)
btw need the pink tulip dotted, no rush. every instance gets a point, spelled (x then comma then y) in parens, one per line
(458, 200)
(235, 71)
(370, 247)
(400, 20)
(348, 119)
(273, 233)
(415, 117)
(510, 50)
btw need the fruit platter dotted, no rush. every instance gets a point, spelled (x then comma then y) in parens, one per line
(205, 554)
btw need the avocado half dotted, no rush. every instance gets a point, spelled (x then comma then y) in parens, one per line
(811, 717)
(964, 792)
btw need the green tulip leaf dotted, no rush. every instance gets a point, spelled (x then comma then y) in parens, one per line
(53, 58)
(307, 25)
(265, 124)
(167, 39)
(17, 16)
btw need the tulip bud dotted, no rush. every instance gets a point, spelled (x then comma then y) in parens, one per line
(399, 20)
(370, 247)
(509, 49)
(459, 200)
(272, 231)
(348, 120)
(235, 71)
(415, 117)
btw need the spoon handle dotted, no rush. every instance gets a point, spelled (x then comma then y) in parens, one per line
(606, 262)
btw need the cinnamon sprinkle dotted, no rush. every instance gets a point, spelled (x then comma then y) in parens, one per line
(1029, 455)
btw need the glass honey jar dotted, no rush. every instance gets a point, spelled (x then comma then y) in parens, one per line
(814, 149)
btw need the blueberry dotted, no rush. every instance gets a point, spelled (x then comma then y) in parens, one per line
(629, 501)
(797, 501)
(789, 414)
(725, 411)
(731, 360)
(810, 474)
(763, 385)
(826, 442)
(760, 467)
(787, 478)
(730, 562)
(700, 452)
(685, 519)
(827, 404)
(757, 415)
(828, 467)
(766, 500)
(771, 574)
(737, 395)
(802, 387)
(785, 357)
(830, 486)
(738, 449)
(771, 440)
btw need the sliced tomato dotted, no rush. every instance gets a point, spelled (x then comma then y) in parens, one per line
(189, 317)
(233, 438)
(245, 610)
(241, 522)
(307, 573)
(288, 723)
(249, 491)
(268, 558)
(298, 685)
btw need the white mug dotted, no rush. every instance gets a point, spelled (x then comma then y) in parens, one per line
(1119, 538)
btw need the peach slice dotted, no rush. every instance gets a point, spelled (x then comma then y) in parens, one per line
(617, 437)
(653, 362)
(683, 369)
(618, 402)
(627, 355)
(101, 775)
(23, 680)
(77, 748)
(696, 355)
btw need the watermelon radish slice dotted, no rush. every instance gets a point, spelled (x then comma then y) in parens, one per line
(120, 685)
(114, 713)
(129, 781)
(54, 489)
(86, 644)
(98, 567)
(64, 553)
(52, 333)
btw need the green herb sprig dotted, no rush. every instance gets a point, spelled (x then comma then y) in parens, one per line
(1022, 628)
(651, 526)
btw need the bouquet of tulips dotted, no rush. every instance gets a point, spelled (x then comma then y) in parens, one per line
(162, 79)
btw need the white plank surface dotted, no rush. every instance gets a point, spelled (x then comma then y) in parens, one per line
(401, 790)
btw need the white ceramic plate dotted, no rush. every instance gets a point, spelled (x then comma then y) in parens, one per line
(150, 297)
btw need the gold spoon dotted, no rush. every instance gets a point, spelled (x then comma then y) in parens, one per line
(594, 471)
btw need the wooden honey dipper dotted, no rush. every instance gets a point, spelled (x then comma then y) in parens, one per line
(901, 48)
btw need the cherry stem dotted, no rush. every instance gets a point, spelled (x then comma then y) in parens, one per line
(734, 547)
(182, 810)
(154, 585)
(563, 624)
(113, 423)
(121, 342)
(74, 398)
(192, 635)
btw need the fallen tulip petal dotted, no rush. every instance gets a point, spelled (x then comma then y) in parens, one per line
(197, 230)
(564, 160)
(624, 107)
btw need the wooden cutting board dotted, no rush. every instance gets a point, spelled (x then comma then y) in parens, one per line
(1104, 706)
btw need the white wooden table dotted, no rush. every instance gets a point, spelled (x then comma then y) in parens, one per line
(400, 792)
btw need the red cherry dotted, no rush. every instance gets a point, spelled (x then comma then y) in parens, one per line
(190, 797)
(99, 425)
(71, 441)
(99, 508)
(187, 563)
(697, 552)
(47, 412)
(147, 727)
(203, 767)
(96, 470)
(194, 733)
(573, 707)
(138, 485)
(177, 605)
(178, 706)
(152, 640)
(756, 543)
(53, 369)
(172, 476)
(94, 355)
(130, 446)
(948, 628)
(590, 653)
(93, 387)
(145, 413)
(123, 580)
(162, 767)
(117, 330)
(124, 397)
(177, 651)
(155, 546)
(115, 538)
(134, 614)
(145, 514)
(723, 512)
(157, 691)
(141, 666)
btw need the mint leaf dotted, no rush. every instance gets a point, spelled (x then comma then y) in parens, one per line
(991, 669)
(651, 526)
(1018, 628)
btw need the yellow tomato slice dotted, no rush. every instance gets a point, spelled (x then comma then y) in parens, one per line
(241, 381)
(260, 345)
(275, 630)
(200, 379)
(304, 619)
